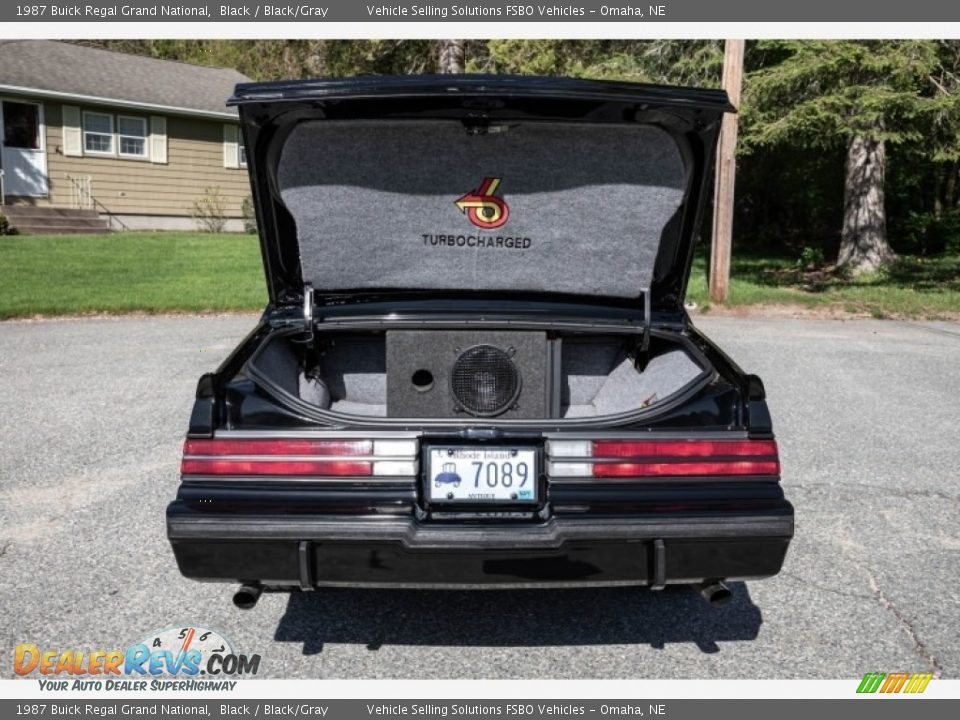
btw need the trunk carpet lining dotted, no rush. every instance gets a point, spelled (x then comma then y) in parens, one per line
(588, 204)
(597, 377)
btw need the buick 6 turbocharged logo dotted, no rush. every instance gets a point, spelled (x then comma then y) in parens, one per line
(482, 207)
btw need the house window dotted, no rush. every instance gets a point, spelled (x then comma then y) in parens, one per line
(132, 136)
(242, 150)
(98, 133)
(21, 125)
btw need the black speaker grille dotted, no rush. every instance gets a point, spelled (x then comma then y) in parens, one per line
(485, 380)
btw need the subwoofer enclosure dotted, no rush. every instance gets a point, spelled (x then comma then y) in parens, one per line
(469, 374)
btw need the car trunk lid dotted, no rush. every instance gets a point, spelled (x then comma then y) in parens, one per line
(494, 186)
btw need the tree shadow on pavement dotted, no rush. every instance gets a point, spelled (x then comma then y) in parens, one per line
(516, 618)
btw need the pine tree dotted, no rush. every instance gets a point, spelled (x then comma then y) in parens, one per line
(945, 126)
(862, 94)
(677, 62)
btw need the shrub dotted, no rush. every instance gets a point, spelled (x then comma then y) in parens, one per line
(210, 211)
(925, 233)
(810, 258)
(5, 227)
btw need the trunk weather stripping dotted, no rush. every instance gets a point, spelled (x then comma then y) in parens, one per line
(643, 356)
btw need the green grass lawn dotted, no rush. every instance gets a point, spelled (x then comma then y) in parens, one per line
(129, 272)
(199, 272)
(911, 287)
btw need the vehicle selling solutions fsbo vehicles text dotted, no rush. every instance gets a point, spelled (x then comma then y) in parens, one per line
(445, 11)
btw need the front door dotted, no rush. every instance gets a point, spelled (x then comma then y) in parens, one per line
(22, 155)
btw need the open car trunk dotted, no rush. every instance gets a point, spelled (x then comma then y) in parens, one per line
(577, 197)
(575, 376)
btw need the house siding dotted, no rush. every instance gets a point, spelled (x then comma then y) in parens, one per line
(130, 186)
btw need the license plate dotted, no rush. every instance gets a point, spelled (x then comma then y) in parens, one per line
(482, 475)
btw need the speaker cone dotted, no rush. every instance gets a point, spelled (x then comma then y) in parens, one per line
(485, 381)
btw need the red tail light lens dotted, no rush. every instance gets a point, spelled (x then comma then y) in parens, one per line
(193, 466)
(661, 458)
(684, 448)
(771, 467)
(292, 457)
(278, 447)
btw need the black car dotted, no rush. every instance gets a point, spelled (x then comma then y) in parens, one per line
(475, 368)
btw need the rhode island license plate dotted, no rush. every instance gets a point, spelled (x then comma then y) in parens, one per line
(482, 475)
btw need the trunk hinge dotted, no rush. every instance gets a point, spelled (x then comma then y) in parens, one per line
(308, 311)
(643, 354)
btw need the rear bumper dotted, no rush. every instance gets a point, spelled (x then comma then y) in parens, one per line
(309, 551)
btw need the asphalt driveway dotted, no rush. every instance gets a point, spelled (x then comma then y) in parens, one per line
(92, 414)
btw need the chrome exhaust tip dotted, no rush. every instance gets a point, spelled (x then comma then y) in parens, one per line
(714, 592)
(247, 595)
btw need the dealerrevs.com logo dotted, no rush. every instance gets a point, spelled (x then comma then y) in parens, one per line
(179, 658)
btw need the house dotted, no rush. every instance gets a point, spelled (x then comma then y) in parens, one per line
(130, 140)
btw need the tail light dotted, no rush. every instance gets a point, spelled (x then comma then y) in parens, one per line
(662, 458)
(298, 457)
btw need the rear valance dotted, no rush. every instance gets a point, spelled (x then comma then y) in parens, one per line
(567, 208)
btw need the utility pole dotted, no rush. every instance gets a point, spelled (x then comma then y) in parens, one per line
(726, 175)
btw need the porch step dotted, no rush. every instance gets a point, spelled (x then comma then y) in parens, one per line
(60, 230)
(43, 221)
(33, 220)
